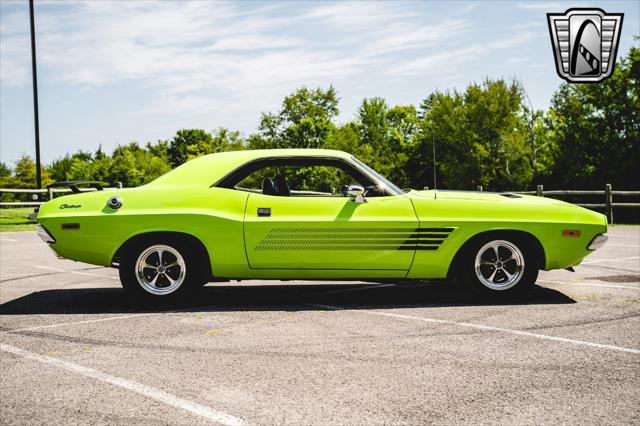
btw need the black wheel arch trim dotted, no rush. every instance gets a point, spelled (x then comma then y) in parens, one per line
(115, 260)
(534, 242)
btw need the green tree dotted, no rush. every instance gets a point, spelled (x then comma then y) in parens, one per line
(221, 140)
(25, 172)
(133, 165)
(160, 149)
(597, 130)
(179, 146)
(480, 138)
(347, 138)
(100, 167)
(5, 171)
(6, 181)
(304, 120)
(441, 122)
(387, 133)
(60, 169)
(257, 141)
(496, 131)
(538, 135)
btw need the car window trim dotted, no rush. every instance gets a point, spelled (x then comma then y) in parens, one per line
(235, 176)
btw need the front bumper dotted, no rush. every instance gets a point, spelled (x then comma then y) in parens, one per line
(598, 241)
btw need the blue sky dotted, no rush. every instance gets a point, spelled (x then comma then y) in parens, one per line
(114, 72)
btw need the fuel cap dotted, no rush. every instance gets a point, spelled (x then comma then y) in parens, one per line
(114, 202)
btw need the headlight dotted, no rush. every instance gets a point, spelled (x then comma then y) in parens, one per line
(45, 235)
(598, 241)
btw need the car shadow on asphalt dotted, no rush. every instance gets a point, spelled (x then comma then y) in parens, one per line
(276, 297)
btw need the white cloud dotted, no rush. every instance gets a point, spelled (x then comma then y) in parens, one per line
(541, 23)
(15, 64)
(355, 15)
(547, 6)
(400, 36)
(436, 63)
(516, 40)
(222, 62)
(205, 58)
(449, 60)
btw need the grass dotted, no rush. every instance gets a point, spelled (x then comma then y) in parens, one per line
(16, 219)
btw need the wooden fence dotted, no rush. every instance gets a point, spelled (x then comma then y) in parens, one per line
(607, 206)
(608, 194)
(38, 194)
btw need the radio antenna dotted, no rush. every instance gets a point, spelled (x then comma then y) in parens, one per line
(433, 151)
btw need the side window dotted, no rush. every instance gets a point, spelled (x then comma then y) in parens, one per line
(298, 180)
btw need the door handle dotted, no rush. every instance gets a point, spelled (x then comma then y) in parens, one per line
(264, 211)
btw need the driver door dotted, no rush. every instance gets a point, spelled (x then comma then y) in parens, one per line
(309, 229)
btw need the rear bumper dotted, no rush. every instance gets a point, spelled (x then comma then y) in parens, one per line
(45, 235)
(47, 238)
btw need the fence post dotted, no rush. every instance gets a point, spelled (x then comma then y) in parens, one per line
(479, 188)
(50, 191)
(119, 185)
(539, 190)
(608, 200)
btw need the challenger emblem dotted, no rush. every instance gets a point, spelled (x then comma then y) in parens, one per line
(585, 43)
(70, 206)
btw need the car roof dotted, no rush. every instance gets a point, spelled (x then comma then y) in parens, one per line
(210, 168)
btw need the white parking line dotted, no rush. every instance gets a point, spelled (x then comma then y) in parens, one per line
(623, 245)
(624, 259)
(8, 239)
(487, 328)
(589, 284)
(73, 272)
(151, 392)
(62, 324)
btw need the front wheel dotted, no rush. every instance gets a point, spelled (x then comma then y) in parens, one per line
(160, 270)
(499, 267)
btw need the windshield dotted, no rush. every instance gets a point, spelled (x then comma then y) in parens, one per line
(378, 176)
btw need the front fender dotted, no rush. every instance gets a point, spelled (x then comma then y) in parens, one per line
(543, 220)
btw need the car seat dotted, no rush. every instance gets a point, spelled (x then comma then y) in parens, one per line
(268, 187)
(281, 186)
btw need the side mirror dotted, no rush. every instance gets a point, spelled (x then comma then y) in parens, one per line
(357, 192)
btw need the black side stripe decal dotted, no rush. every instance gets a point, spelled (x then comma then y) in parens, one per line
(297, 238)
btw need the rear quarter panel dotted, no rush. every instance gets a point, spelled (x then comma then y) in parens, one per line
(213, 215)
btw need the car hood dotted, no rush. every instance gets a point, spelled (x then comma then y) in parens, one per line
(498, 197)
(504, 205)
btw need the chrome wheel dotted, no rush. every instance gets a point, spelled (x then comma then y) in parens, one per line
(499, 265)
(160, 269)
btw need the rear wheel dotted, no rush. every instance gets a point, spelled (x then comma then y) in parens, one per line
(501, 267)
(161, 269)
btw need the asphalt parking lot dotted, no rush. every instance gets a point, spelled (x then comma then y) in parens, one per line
(73, 350)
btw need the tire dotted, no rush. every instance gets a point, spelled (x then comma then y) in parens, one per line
(161, 269)
(499, 267)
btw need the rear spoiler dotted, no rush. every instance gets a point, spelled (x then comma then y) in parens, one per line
(73, 185)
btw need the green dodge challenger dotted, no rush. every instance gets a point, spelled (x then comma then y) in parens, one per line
(313, 214)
